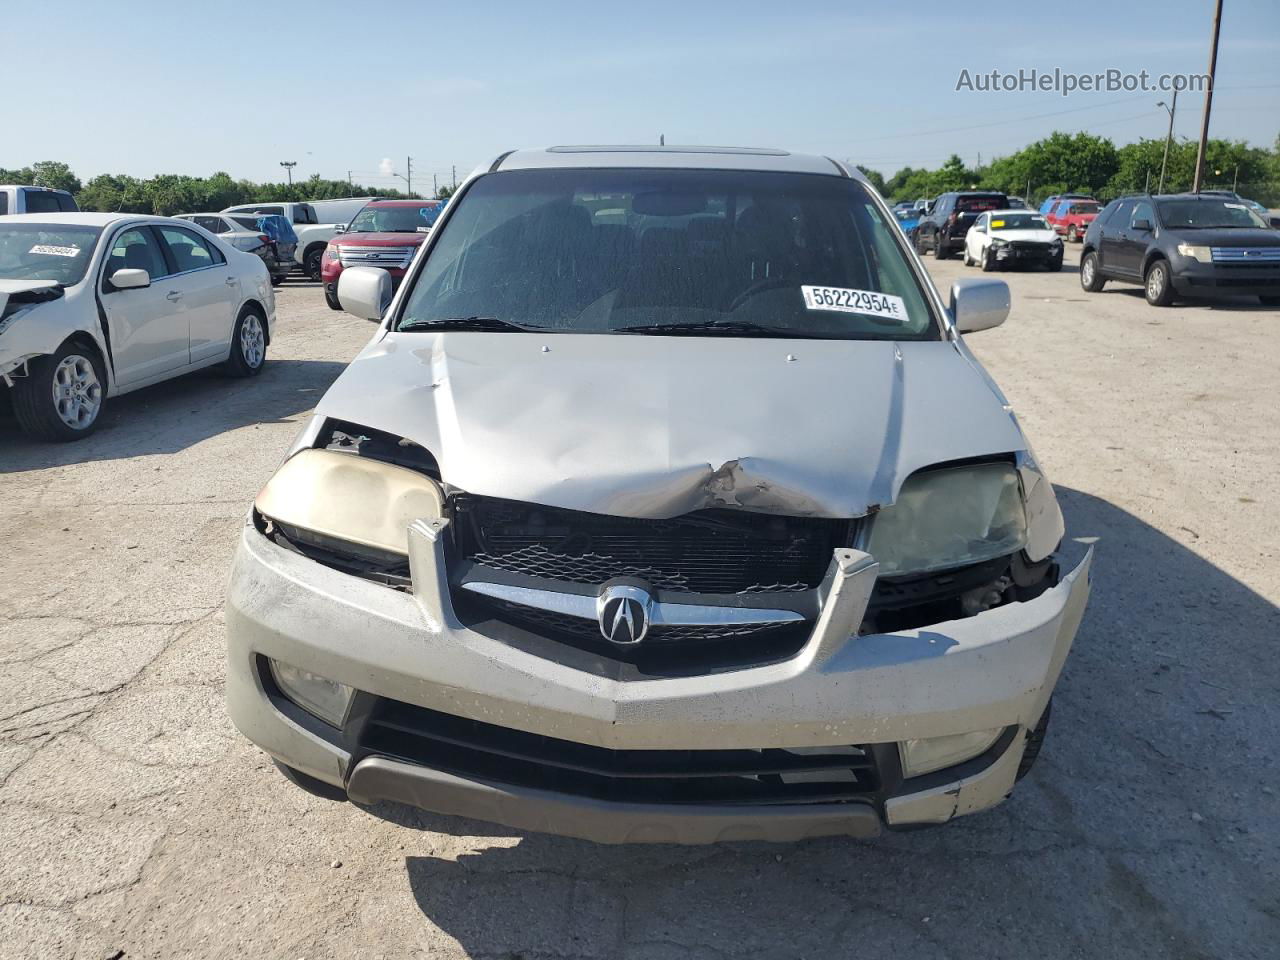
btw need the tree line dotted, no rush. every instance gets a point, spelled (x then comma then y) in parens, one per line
(168, 194)
(1084, 163)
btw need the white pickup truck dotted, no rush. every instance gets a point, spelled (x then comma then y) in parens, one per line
(17, 198)
(312, 235)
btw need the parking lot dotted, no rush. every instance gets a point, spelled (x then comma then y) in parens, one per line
(137, 823)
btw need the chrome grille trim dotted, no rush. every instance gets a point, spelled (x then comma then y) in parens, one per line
(1245, 254)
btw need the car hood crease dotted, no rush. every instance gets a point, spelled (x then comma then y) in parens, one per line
(655, 427)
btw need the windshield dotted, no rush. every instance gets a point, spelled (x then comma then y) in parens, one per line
(395, 219)
(1083, 208)
(1019, 221)
(603, 251)
(44, 251)
(1207, 213)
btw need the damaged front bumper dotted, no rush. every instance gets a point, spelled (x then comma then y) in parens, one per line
(416, 666)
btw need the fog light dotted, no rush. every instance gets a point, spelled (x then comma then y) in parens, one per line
(933, 753)
(317, 695)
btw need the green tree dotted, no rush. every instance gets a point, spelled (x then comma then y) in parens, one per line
(55, 174)
(876, 179)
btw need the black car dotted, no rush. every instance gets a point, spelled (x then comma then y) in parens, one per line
(943, 229)
(1183, 244)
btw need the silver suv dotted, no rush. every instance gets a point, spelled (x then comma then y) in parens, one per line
(666, 504)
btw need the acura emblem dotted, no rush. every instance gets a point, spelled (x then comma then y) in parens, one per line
(623, 612)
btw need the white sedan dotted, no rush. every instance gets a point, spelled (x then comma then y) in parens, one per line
(1005, 238)
(98, 304)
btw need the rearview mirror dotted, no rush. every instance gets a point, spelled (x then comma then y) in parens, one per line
(130, 278)
(364, 292)
(1143, 225)
(979, 304)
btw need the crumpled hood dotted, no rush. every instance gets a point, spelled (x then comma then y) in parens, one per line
(1024, 236)
(658, 426)
(14, 288)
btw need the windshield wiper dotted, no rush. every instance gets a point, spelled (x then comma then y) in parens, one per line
(730, 328)
(463, 323)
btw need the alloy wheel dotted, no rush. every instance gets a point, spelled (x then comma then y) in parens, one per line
(77, 393)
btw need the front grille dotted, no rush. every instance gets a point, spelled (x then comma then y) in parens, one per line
(710, 551)
(484, 751)
(395, 257)
(1029, 247)
(1246, 256)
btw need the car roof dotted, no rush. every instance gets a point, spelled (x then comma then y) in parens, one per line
(1018, 210)
(399, 203)
(79, 218)
(670, 157)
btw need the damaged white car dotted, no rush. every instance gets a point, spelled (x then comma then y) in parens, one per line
(98, 304)
(666, 505)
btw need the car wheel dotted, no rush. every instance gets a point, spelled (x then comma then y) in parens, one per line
(276, 281)
(965, 258)
(1055, 264)
(939, 249)
(1073, 235)
(1090, 276)
(1159, 289)
(988, 260)
(1269, 300)
(1035, 740)
(248, 344)
(331, 298)
(61, 396)
(311, 263)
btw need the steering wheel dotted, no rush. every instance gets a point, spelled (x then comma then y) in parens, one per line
(760, 286)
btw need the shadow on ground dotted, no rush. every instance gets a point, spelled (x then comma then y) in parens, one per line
(176, 414)
(1144, 830)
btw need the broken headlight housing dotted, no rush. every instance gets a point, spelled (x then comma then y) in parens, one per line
(340, 501)
(950, 517)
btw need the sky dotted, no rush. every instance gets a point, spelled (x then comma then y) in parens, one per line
(143, 87)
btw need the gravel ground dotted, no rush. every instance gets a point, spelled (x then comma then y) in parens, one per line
(137, 823)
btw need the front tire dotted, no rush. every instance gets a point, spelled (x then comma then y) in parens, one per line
(61, 397)
(988, 260)
(311, 262)
(1269, 300)
(939, 249)
(1091, 278)
(1054, 265)
(1156, 284)
(1073, 235)
(248, 344)
(331, 298)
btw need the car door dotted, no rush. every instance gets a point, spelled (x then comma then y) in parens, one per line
(1133, 248)
(975, 241)
(146, 326)
(209, 292)
(1111, 238)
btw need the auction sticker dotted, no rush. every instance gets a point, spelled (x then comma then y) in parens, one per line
(53, 251)
(844, 300)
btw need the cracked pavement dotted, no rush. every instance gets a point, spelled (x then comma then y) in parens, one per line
(136, 822)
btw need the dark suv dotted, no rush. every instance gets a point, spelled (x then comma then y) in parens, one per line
(949, 219)
(1183, 244)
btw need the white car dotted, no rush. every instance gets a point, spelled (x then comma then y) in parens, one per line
(1002, 238)
(98, 304)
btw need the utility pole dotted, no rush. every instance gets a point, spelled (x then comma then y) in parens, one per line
(662, 139)
(435, 185)
(288, 168)
(1208, 97)
(1169, 138)
(1235, 179)
(350, 182)
(1147, 187)
(408, 168)
(455, 176)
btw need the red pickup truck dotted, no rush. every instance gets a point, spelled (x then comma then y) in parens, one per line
(386, 234)
(1071, 217)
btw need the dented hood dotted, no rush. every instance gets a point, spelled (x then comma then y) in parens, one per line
(21, 290)
(654, 427)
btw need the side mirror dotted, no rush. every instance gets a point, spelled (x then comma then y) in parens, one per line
(1275, 222)
(979, 304)
(1143, 225)
(340, 228)
(130, 278)
(364, 292)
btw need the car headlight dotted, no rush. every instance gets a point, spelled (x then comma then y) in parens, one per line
(1196, 252)
(950, 517)
(1056, 242)
(997, 242)
(933, 753)
(332, 252)
(351, 503)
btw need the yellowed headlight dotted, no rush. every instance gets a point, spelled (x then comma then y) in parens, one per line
(353, 499)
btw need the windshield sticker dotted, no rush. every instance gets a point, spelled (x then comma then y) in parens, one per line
(53, 251)
(997, 223)
(844, 300)
(1235, 206)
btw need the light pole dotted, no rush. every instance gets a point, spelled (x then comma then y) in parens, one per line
(1168, 139)
(288, 168)
(1208, 98)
